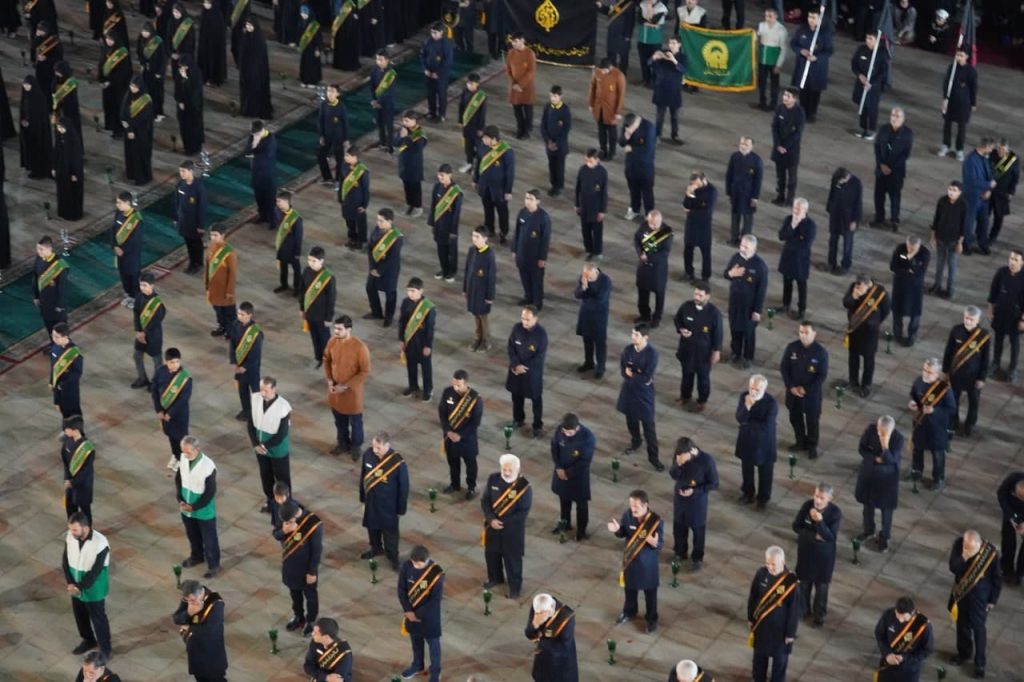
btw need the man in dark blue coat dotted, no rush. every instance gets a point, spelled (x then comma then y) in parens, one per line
(639, 142)
(459, 411)
(1006, 173)
(148, 319)
(1006, 311)
(572, 451)
(354, 197)
(479, 286)
(638, 365)
(871, 70)
(978, 575)
(592, 202)
(527, 349)
(530, 246)
(382, 85)
(384, 493)
(420, 591)
(653, 244)
(844, 216)
(695, 476)
(410, 141)
(699, 325)
(261, 148)
(644, 533)
(878, 480)
(416, 338)
(190, 214)
(909, 264)
(621, 21)
(245, 351)
(867, 305)
(472, 119)
(959, 99)
(931, 400)
(443, 219)
(773, 614)
(505, 502)
(743, 179)
(437, 57)
(755, 440)
(804, 370)
(978, 186)
(555, 124)
(593, 291)
(787, 131)
(965, 362)
(669, 68)
(332, 128)
(699, 202)
(77, 454)
(748, 283)
(494, 174)
(385, 261)
(797, 236)
(126, 241)
(316, 301)
(816, 526)
(288, 243)
(171, 391)
(810, 73)
(302, 545)
(551, 625)
(66, 366)
(905, 639)
(200, 617)
(893, 145)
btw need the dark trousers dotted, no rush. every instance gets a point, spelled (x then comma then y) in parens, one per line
(273, 469)
(727, 6)
(595, 352)
(645, 51)
(140, 367)
(765, 75)
(68, 401)
(349, 440)
(633, 425)
(997, 221)
(973, 400)
(1012, 555)
(412, 368)
(833, 248)
(743, 343)
(202, 539)
(91, 619)
(524, 118)
(494, 42)
(997, 353)
(175, 442)
(705, 256)
(209, 678)
(643, 304)
(702, 373)
(335, 150)
(448, 257)
(913, 323)
(225, 314)
(779, 660)
(785, 180)
(681, 537)
(971, 632)
(868, 118)
(464, 38)
(469, 147)
(734, 228)
(437, 96)
(976, 225)
(805, 425)
(265, 192)
(384, 540)
(818, 606)
(413, 193)
(556, 169)
(434, 646)
(607, 138)
(618, 52)
(455, 461)
(856, 378)
(868, 514)
(582, 514)
(532, 279)
(787, 293)
(501, 208)
(503, 568)
(947, 133)
(891, 187)
(641, 190)
(312, 596)
(319, 335)
(631, 605)
(129, 282)
(195, 252)
(519, 410)
(673, 118)
(809, 100)
(385, 117)
(390, 301)
(938, 463)
(356, 229)
(282, 269)
(593, 237)
(765, 474)
(71, 507)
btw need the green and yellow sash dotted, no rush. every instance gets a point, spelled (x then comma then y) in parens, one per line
(128, 227)
(51, 273)
(113, 59)
(238, 11)
(307, 35)
(179, 34)
(445, 203)
(475, 102)
(422, 588)
(343, 14)
(1004, 165)
(352, 179)
(148, 311)
(245, 344)
(65, 89)
(381, 248)
(463, 409)
(174, 388)
(379, 474)
(649, 242)
(385, 83)
(415, 135)
(63, 363)
(492, 157)
(968, 349)
(80, 456)
(331, 657)
(316, 287)
(151, 46)
(418, 317)
(285, 228)
(972, 576)
(771, 600)
(306, 527)
(139, 104)
(218, 260)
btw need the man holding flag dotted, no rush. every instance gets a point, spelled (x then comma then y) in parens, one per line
(871, 68)
(960, 92)
(813, 47)
(979, 579)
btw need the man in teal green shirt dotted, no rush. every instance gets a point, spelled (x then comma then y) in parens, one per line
(86, 562)
(196, 486)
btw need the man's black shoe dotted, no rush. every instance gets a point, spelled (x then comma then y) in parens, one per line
(191, 561)
(83, 647)
(448, 490)
(308, 630)
(140, 383)
(956, 660)
(370, 553)
(658, 466)
(652, 626)
(584, 367)
(493, 583)
(744, 499)
(470, 494)
(409, 391)
(295, 623)
(281, 287)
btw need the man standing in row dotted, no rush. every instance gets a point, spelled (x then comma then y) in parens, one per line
(695, 475)
(196, 485)
(287, 242)
(965, 364)
(245, 352)
(592, 203)
(699, 202)
(221, 271)
(551, 625)
(171, 391)
(190, 214)
(126, 240)
(699, 326)
(748, 284)
(460, 411)
(804, 370)
(261, 148)
(743, 178)
(329, 657)
(416, 338)
(445, 213)
(385, 262)
(1006, 311)
(530, 246)
(878, 480)
(472, 119)
(50, 284)
(270, 436)
(975, 566)
(521, 68)
(593, 291)
(527, 350)
(506, 503)
(978, 185)
(77, 454)
(638, 365)
(332, 126)
(644, 533)
(148, 318)
(200, 615)
(411, 140)
(755, 440)
(893, 145)
(354, 197)
(1011, 501)
(638, 141)
(384, 493)
(420, 591)
(302, 545)
(909, 265)
(787, 131)
(904, 639)
(773, 614)
(479, 285)
(555, 124)
(86, 563)
(437, 57)
(606, 99)
(494, 175)
(346, 366)
(867, 306)
(572, 451)
(933, 407)
(816, 526)
(66, 367)
(382, 81)
(844, 207)
(316, 305)
(653, 244)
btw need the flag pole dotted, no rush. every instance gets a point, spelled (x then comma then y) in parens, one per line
(814, 41)
(871, 68)
(959, 43)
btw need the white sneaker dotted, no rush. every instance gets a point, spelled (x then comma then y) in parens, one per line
(449, 279)
(465, 168)
(943, 150)
(172, 463)
(630, 214)
(960, 155)
(130, 304)
(869, 137)
(416, 212)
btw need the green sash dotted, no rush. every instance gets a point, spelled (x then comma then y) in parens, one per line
(124, 233)
(139, 104)
(80, 456)
(113, 59)
(179, 34)
(316, 287)
(152, 46)
(63, 364)
(343, 14)
(148, 311)
(352, 179)
(386, 82)
(307, 36)
(51, 273)
(245, 344)
(446, 201)
(66, 88)
(491, 157)
(415, 135)
(218, 260)
(649, 242)
(381, 248)
(418, 317)
(238, 11)
(285, 228)
(174, 388)
(475, 102)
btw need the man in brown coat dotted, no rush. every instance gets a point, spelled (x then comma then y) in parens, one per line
(346, 366)
(521, 68)
(607, 98)
(221, 269)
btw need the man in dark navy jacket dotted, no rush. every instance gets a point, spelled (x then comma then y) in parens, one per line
(437, 57)
(637, 365)
(411, 140)
(385, 262)
(787, 130)
(445, 213)
(354, 197)
(978, 575)
(332, 127)
(384, 493)
(893, 145)
(743, 179)
(506, 501)
(748, 283)
(190, 214)
(878, 480)
(288, 243)
(555, 124)
(459, 411)
(420, 591)
(699, 202)
(261, 147)
(804, 369)
(302, 545)
(572, 451)
(245, 352)
(592, 202)
(698, 323)
(530, 246)
(773, 614)
(638, 139)
(644, 532)
(755, 441)
(171, 391)
(527, 350)
(653, 244)
(695, 476)
(126, 240)
(551, 625)
(494, 174)
(816, 526)
(416, 338)
(593, 291)
(200, 617)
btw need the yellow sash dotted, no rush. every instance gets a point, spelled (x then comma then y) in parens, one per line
(492, 157)
(968, 349)
(285, 228)
(316, 287)
(63, 363)
(81, 455)
(66, 88)
(422, 588)
(127, 229)
(245, 344)
(418, 317)
(113, 59)
(179, 34)
(463, 409)
(306, 527)
(343, 14)
(352, 179)
(379, 474)
(381, 248)
(149, 310)
(174, 388)
(650, 241)
(385, 83)
(307, 35)
(51, 273)
(447, 200)
(332, 656)
(474, 104)
(218, 260)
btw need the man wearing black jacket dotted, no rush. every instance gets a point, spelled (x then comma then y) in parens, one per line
(302, 544)
(816, 526)
(965, 363)
(200, 617)
(592, 202)
(1011, 502)
(459, 411)
(695, 476)
(844, 215)
(893, 145)
(947, 238)
(288, 243)
(316, 301)
(269, 430)
(190, 214)
(787, 129)
(699, 325)
(867, 305)
(978, 576)
(773, 614)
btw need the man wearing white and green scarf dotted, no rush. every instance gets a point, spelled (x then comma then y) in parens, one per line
(196, 485)
(86, 562)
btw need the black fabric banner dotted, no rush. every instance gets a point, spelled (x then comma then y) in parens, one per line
(559, 31)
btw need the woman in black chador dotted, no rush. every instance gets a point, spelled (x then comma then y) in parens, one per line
(115, 72)
(68, 166)
(371, 28)
(188, 93)
(345, 36)
(10, 17)
(152, 55)
(114, 22)
(254, 72)
(36, 144)
(212, 60)
(38, 11)
(48, 51)
(310, 44)
(137, 120)
(7, 130)
(286, 21)
(182, 32)
(236, 22)
(65, 97)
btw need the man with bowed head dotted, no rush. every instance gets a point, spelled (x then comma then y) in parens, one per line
(878, 481)
(755, 442)
(552, 627)
(773, 614)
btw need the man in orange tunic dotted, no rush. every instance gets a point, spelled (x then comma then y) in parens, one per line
(521, 68)
(346, 366)
(221, 269)
(606, 100)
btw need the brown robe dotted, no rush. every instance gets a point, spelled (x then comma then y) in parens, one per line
(347, 362)
(521, 68)
(221, 289)
(607, 95)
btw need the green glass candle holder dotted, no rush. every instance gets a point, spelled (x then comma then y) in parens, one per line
(856, 550)
(396, 678)
(508, 429)
(915, 476)
(432, 494)
(940, 672)
(561, 531)
(615, 470)
(840, 391)
(488, 596)
(373, 571)
(611, 651)
(792, 467)
(888, 342)
(771, 318)
(676, 567)
(177, 575)
(272, 633)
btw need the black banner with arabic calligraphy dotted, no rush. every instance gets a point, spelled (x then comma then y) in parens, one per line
(560, 31)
